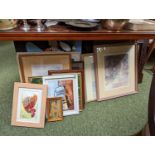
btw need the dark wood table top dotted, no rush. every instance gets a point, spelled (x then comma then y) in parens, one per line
(62, 32)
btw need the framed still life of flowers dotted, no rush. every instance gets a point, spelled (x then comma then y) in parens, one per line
(29, 105)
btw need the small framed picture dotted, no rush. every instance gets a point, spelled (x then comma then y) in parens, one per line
(54, 109)
(29, 105)
(89, 73)
(38, 64)
(65, 86)
(81, 90)
(116, 70)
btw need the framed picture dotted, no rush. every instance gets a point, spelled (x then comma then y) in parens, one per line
(54, 109)
(80, 75)
(65, 86)
(89, 73)
(38, 64)
(116, 70)
(77, 65)
(29, 105)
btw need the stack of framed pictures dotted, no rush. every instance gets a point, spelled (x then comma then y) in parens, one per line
(65, 86)
(111, 71)
(80, 76)
(64, 93)
(59, 84)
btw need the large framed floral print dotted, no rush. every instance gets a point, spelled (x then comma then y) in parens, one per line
(29, 105)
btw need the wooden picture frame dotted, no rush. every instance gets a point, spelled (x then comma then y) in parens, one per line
(81, 88)
(54, 109)
(89, 73)
(116, 70)
(29, 105)
(38, 64)
(65, 86)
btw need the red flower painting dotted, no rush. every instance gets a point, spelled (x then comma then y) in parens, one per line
(29, 104)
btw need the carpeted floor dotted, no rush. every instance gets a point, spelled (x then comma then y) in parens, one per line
(122, 116)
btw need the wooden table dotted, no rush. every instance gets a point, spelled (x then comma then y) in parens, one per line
(63, 32)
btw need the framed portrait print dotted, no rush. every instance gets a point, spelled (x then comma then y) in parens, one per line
(65, 86)
(54, 109)
(116, 70)
(29, 105)
(89, 73)
(81, 90)
(38, 64)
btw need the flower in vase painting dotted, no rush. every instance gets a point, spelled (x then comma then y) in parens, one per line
(29, 103)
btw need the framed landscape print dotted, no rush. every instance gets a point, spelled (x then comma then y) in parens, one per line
(29, 105)
(65, 86)
(89, 73)
(54, 109)
(116, 70)
(81, 90)
(38, 64)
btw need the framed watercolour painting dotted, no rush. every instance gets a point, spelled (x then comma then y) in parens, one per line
(65, 86)
(116, 70)
(54, 109)
(89, 73)
(38, 64)
(29, 105)
(80, 75)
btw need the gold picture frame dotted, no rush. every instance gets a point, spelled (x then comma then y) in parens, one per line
(29, 105)
(54, 109)
(38, 64)
(116, 70)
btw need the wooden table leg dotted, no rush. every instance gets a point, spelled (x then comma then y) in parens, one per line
(142, 59)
